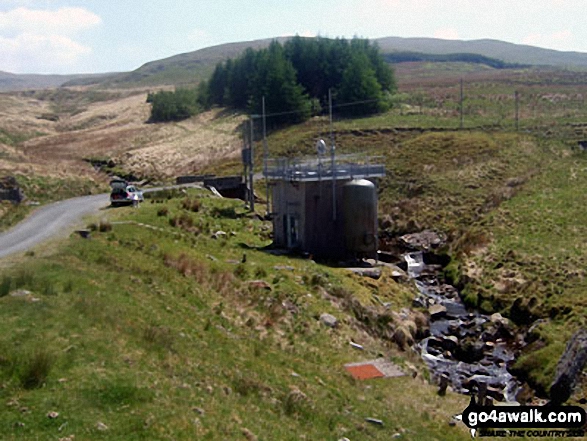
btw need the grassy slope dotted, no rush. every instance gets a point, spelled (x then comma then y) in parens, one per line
(536, 260)
(157, 336)
(490, 190)
(509, 203)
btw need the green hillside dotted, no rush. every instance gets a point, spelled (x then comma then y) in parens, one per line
(191, 67)
(166, 331)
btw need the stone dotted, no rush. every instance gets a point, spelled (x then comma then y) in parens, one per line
(259, 284)
(101, 426)
(250, 436)
(289, 306)
(569, 368)
(329, 320)
(373, 273)
(495, 393)
(424, 240)
(219, 234)
(20, 293)
(442, 385)
(497, 318)
(437, 311)
(450, 343)
(403, 338)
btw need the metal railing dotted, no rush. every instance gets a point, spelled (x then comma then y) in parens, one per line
(315, 169)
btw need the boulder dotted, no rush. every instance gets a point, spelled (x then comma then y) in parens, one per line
(329, 320)
(569, 368)
(424, 240)
(437, 311)
(403, 338)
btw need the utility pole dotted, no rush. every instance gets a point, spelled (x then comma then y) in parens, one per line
(332, 157)
(265, 155)
(251, 179)
(517, 99)
(246, 159)
(461, 106)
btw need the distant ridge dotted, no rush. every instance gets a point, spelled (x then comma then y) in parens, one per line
(191, 67)
(501, 50)
(17, 82)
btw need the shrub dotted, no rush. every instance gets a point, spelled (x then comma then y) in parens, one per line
(5, 286)
(173, 106)
(159, 336)
(35, 369)
(191, 204)
(164, 211)
(104, 226)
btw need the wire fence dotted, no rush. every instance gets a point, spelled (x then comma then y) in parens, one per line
(529, 108)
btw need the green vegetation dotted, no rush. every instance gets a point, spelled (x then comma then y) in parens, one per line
(411, 57)
(295, 79)
(510, 203)
(12, 139)
(173, 106)
(163, 332)
(302, 69)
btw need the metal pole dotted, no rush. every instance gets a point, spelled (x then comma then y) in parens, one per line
(251, 179)
(517, 97)
(461, 106)
(265, 155)
(245, 160)
(332, 162)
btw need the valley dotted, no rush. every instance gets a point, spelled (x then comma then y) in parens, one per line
(167, 329)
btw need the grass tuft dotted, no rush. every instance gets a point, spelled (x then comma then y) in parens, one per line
(34, 369)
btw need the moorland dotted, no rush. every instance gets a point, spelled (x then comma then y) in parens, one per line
(157, 328)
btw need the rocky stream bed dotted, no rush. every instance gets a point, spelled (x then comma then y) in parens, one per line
(465, 349)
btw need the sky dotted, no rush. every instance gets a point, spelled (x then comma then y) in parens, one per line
(94, 36)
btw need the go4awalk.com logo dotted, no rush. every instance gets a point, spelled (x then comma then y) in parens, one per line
(530, 421)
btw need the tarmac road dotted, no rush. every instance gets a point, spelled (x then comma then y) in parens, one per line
(50, 221)
(58, 219)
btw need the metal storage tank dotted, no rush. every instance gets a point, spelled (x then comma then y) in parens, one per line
(359, 204)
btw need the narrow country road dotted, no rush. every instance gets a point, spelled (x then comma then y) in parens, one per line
(50, 221)
(58, 220)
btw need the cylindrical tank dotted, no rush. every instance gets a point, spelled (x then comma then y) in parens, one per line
(359, 204)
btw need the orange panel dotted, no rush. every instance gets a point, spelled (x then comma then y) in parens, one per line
(364, 371)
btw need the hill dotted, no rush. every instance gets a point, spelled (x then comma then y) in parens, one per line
(501, 50)
(14, 82)
(139, 351)
(191, 67)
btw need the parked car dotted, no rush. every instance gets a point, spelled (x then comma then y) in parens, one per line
(124, 193)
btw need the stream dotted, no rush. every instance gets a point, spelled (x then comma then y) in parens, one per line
(466, 350)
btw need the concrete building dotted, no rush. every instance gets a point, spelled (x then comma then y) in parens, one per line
(325, 206)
